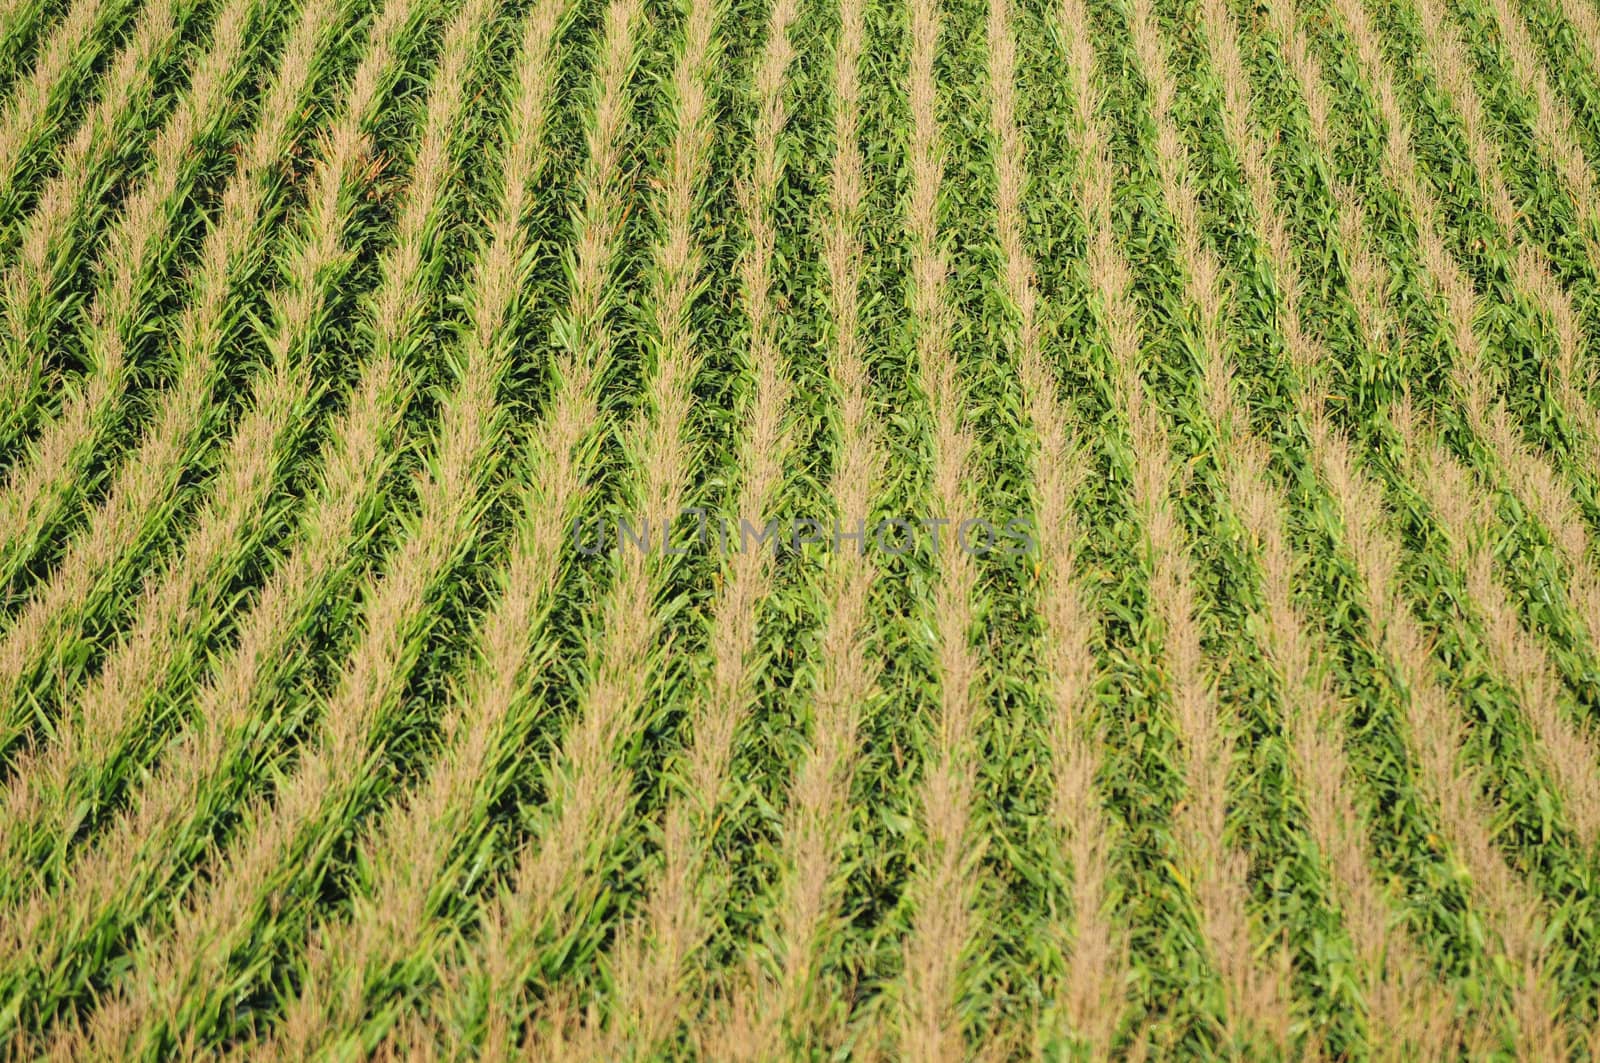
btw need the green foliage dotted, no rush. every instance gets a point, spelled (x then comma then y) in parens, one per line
(294, 327)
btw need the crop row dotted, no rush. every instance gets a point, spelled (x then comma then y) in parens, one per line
(325, 327)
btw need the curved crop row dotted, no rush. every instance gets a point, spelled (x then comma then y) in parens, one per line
(281, 836)
(423, 425)
(509, 937)
(412, 847)
(172, 819)
(120, 308)
(31, 290)
(654, 956)
(141, 497)
(62, 58)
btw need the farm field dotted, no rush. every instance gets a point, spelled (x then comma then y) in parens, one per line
(800, 529)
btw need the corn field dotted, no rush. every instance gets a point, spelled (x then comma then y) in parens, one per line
(800, 529)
